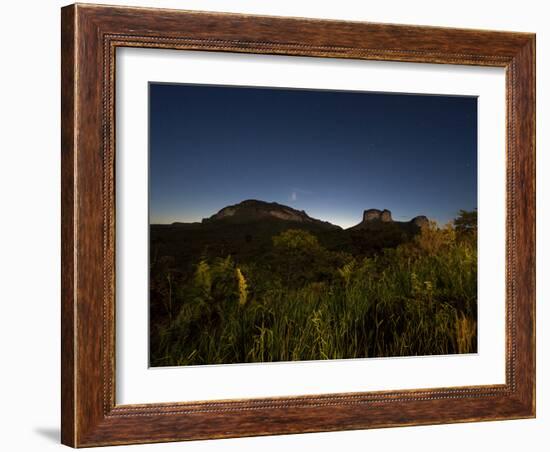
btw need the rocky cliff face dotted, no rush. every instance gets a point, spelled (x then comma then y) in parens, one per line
(377, 215)
(374, 217)
(253, 210)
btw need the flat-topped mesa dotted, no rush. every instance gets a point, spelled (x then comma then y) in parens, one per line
(376, 219)
(377, 215)
(252, 210)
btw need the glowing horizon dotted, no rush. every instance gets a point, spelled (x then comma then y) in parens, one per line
(332, 154)
(343, 222)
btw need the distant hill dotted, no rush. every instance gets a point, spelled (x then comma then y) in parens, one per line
(245, 231)
(374, 216)
(253, 210)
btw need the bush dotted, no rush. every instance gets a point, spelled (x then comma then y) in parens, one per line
(308, 303)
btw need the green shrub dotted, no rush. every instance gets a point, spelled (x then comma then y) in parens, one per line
(308, 303)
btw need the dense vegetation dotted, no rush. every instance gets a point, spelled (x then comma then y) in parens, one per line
(302, 295)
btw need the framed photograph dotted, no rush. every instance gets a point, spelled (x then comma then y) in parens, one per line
(280, 225)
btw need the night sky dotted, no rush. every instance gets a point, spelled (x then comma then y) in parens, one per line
(330, 153)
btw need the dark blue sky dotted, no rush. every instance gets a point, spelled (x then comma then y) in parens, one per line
(330, 153)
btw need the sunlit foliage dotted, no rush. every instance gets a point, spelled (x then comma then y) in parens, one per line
(305, 302)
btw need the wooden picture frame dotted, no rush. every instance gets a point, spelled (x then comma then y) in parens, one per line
(90, 36)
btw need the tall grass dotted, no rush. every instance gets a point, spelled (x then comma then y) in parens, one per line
(417, 299)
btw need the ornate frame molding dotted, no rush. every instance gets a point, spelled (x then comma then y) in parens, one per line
(90, 36)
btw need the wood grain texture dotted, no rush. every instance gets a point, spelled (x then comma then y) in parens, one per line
(90, 36)
(67, 224)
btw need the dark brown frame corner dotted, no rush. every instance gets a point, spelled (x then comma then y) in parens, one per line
(90, 35)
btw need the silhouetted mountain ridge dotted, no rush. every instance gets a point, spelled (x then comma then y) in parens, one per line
(245, 231)
(253, 210)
